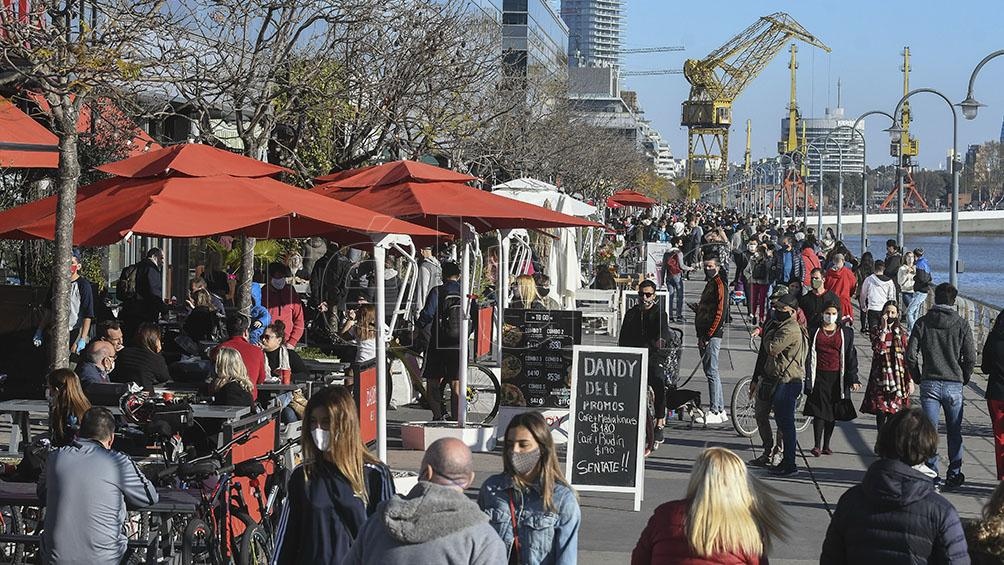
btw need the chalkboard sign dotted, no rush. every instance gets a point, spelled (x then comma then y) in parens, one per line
(607, 420)
(537, 356)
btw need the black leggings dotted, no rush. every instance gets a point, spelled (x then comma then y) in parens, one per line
(822, 431)
(659, 396)
(880, 419)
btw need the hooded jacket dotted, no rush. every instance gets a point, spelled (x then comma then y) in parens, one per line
(786, 346)
(944, 341)
(431, 524)
(894, 516)
(876, 290)
(260, 318)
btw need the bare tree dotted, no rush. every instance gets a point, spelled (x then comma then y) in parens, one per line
(72, 53)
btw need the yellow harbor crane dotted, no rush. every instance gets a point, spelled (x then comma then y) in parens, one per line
(718, 79)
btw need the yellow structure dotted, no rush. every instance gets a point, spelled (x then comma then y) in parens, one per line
(718, 79)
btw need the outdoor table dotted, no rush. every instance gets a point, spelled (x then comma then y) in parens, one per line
(20, 412)
(323, 373)
(172, 501)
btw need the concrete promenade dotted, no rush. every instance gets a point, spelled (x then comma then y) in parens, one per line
(610, 528)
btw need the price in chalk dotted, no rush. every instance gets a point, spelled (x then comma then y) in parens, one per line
(607, 417)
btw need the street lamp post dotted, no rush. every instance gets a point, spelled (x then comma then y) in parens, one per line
(864, 175)
(840, 182)
(780, 182)
(896, 130)
(819, 205)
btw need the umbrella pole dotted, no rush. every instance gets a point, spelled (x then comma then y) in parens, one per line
(379, 255)
(501, 291)
(465, 292)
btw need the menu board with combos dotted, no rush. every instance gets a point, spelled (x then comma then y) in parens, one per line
(606, 431)
(537, 356)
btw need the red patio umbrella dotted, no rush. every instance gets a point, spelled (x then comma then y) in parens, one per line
(24, 143)
(628, 197)
(394, 172)
(158, 197)
(443, 204)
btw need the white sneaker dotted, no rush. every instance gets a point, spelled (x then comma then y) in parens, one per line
(717, 418)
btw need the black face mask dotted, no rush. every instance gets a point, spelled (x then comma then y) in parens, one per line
(781, 315)
(710, 273)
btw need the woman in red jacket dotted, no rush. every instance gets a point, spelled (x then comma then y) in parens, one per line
(727, 518)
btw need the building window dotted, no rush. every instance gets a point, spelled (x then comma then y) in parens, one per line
(514, 5)
(514, 19)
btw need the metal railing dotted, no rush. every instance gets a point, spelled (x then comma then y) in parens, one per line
(978, 314)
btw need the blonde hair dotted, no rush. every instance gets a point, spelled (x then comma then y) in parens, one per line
(230, 368)
(346, 451)
(366, 326)
(729, 510)
(526, 289)
(988, 534)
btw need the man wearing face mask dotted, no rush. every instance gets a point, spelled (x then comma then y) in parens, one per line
(788, 262)
(97, 362)
(148, 305)
(818, 298)
(645, 325)
(709, 321)
(81, 309)
(283, 303)
(784, 345)
(435, 522)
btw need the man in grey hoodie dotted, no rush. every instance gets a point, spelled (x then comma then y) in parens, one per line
(435, 522)
(944, 342)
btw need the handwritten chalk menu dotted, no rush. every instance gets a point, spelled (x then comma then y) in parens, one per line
(607, 420)
(537, 356)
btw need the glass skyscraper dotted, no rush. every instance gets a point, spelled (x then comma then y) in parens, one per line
(594, 32)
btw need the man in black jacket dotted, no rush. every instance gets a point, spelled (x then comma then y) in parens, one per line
(709, 321)
(645, 325)
(943, 340)
(149, 302)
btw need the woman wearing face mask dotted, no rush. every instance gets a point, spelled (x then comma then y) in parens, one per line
(283, 303)
(889, 383)
(905, 277)
(758, 275)
(818, 298)
(529, 504)
(831, 372)
(335, 490)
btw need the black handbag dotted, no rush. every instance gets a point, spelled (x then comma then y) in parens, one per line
(843, 410)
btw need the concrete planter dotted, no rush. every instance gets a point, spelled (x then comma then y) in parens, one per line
(420, 435)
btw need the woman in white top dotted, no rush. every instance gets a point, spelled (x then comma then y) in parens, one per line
(905, 278)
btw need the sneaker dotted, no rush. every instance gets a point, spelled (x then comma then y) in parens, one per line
(762, 461)
(815, 451)
(657, 435)
(953, 482)
(782, 471)
(938, 485)
(827, 451)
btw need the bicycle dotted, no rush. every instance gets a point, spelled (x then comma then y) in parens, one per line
(743, 409)
(275, 486)
(484, 394)
(212, 535)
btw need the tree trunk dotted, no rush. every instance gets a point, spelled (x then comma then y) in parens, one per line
(69, 176)
(245, 276)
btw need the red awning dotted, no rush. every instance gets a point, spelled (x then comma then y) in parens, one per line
(632, 198)
(394, 172)
(24, 143)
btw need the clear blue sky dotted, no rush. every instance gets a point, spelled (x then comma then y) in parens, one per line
(866, 38)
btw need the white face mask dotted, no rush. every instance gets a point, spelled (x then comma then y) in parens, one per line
(278, 283)
(829, 318)
(322, 439)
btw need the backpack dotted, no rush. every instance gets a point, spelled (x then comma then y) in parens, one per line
(673, 264)
(451, 314)
(125, 287)
(760, 270)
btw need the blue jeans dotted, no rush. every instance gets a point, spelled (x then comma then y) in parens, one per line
(674, 284)
(709, 360)
(913, 309)
(785, 399)
(936, 396)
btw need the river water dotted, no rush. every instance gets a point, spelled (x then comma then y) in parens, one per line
(982, 256)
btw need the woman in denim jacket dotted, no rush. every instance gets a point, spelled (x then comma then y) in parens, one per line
(545, 530)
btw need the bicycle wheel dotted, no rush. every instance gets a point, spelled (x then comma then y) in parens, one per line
(743, 409)
(801, 420)
(197, 544)
(10, 524)
(255, 546)
(484, 393)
